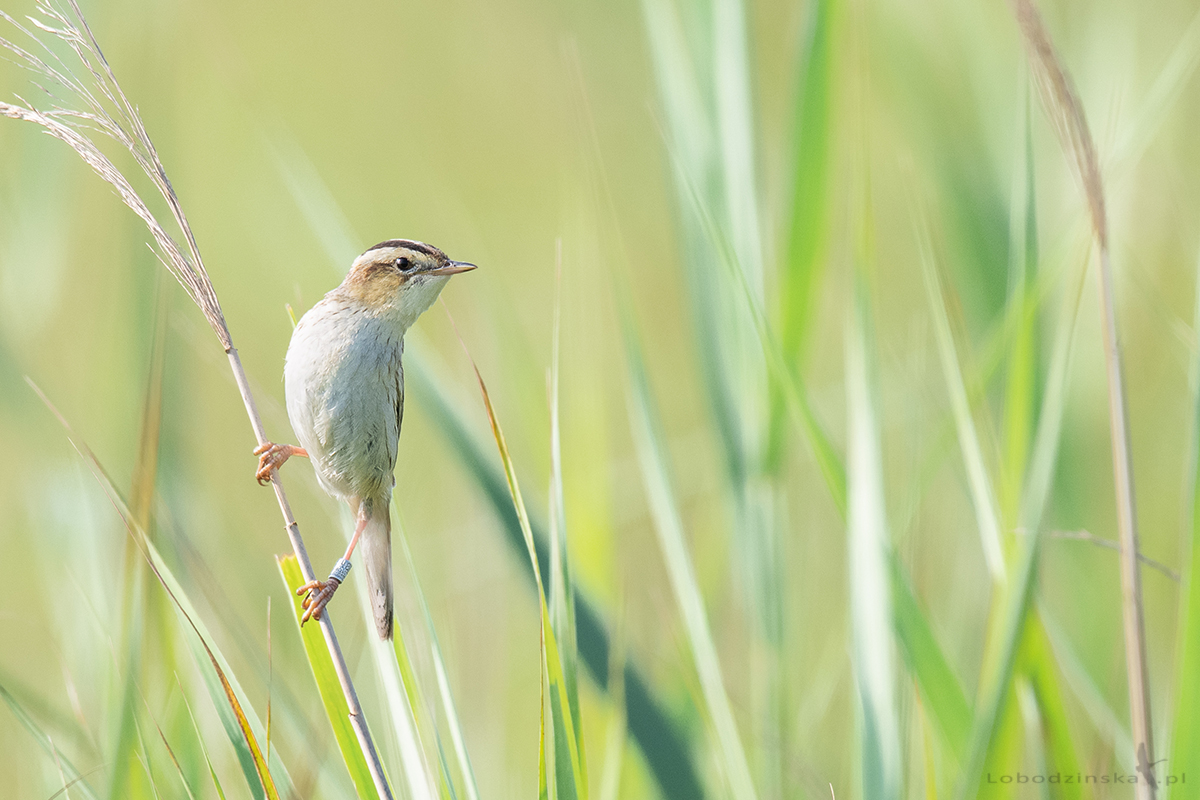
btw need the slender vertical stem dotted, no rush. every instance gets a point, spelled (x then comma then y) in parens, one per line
(293, 531)
(1065, 109)
(1131, 579)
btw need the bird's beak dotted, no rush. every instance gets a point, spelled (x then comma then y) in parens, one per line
(453, 268)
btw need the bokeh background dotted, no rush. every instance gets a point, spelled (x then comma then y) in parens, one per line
(654, 146)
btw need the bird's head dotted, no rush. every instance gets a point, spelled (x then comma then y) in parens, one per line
(401, 277)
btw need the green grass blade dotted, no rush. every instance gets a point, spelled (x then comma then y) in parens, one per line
(332, 697)
(810, 168)
(804, 263)
(41, 708)
(212, 772)
(695, 147)
(73, 775)
(415, 755)
(242, 731)
(994, 692)
(1164, 94)
(928, 762)
(145, 470)
(659, 740)
(401, 695)
(1022, 392)
(755, 496)
(123, 776)
(1021, 399)
(141, 608)
(425, 721)
(1021, 387)
(783, 370)
(1185, 740)
(544, 782)
(669, 527)
(705, 90)
(663, 744)
(1035, 752)
(1043, 684)
(562, 606)
(983, 498)
(241, 723)
(868, 548)
(614, 749)
(943, 694)
(568, 774)
(1044, 457)
(1104, 719)
(144, 759)
(931, 661)
(735, 127)
(179, 769)
(1042, 679)
(439, 665)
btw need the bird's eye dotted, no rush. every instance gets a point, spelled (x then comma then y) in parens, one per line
(403, 264)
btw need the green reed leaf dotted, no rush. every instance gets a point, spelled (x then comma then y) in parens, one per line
(328, 686)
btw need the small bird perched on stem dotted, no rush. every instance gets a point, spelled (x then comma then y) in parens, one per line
(344, 383)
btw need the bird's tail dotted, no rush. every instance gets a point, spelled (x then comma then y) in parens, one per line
(375, 545)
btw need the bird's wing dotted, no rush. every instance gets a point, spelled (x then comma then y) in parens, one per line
(396, 400)
(399, 397)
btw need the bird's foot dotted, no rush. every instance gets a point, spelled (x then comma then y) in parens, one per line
(317, 594)
(271, 457)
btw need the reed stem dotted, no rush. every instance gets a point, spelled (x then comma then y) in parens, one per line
(357, 719)
(1066, 111)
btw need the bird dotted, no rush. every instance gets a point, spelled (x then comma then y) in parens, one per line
(344, 384)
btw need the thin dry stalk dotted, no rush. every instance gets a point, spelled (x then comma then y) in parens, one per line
(103, 108)
(1064, 108)
(1099, 541)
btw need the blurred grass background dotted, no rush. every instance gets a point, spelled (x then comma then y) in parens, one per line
(297, 135)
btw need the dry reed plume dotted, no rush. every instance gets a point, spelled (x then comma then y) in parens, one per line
(1062, 104)
(103, 108)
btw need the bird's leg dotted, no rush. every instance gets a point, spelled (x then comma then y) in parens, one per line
(319, 593)
(271, 457)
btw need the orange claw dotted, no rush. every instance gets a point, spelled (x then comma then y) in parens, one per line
(317, 596)
(271, 457)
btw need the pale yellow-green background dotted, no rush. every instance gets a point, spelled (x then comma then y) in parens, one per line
(491, 130)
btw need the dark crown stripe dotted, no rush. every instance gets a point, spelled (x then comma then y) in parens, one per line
(419, 247)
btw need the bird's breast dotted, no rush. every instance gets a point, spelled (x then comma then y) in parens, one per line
(345, 393)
